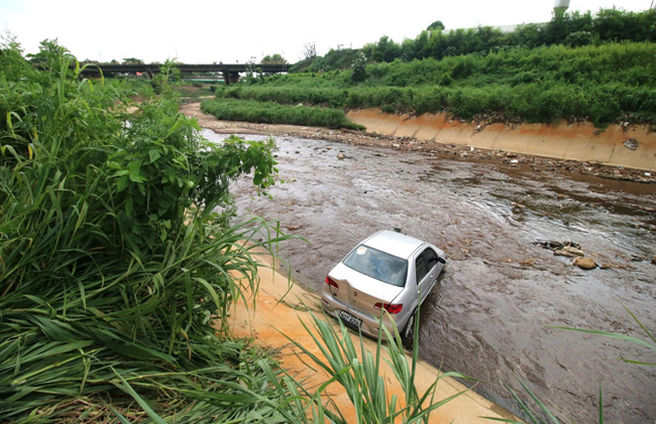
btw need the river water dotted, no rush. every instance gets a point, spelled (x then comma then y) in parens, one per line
(493, 314)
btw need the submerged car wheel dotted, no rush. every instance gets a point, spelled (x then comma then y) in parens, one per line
(409, 329)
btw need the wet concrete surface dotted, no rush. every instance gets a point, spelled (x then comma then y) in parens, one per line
(493, 313)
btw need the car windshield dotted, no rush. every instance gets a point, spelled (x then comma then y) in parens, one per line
(379, 265)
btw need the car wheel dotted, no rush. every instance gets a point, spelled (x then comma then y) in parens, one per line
(409, 329)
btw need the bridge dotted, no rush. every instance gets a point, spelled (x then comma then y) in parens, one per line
(230, 72)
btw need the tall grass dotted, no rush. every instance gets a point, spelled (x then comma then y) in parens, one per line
(359, 373)
(116, 271)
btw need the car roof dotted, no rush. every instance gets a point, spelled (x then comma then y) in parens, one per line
(394, 243)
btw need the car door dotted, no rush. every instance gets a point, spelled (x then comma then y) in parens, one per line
(427, 270)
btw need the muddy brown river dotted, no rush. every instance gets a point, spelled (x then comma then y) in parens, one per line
(493, 314)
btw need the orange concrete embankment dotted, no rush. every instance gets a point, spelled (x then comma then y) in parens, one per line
(271, 317)
(579, 141)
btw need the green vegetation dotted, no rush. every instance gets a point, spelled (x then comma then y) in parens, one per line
(116, 272)
(600, 68)
(274, 113)
(570, 29)
(273, 59)
(603, 84)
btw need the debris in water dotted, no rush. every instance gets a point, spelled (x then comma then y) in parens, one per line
(631, 144)
(555, 245)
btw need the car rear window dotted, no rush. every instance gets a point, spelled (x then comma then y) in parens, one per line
(379, 265)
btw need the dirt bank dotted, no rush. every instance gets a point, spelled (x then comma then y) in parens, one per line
(270, 317)
(630, 146)
(437, 146)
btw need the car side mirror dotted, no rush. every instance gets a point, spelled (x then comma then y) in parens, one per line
(441, 259)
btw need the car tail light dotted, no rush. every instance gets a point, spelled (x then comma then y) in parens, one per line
(331, 282)
(392, 308)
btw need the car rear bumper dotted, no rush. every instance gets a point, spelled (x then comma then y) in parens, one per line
(369, 323)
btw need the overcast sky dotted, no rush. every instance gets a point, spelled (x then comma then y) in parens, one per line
(194, 31)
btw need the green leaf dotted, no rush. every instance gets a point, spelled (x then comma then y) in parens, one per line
(122, 183)
(153, 155)
(134, 169)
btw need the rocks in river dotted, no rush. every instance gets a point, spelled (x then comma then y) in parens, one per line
(584, 262)
(340, 156)
(569, 251)
(556, 245)
(653, 260)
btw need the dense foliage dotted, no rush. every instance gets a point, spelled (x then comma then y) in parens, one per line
(275, 113)
(573, 29)
(603, 84)
(115, 268)
(273, 59)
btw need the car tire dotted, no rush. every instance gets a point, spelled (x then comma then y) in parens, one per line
(409, 330)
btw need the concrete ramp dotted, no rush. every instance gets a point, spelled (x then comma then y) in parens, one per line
(633, 146)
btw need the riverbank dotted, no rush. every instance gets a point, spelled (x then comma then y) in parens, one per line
(280, 309)
(393, 135)
(627, 145)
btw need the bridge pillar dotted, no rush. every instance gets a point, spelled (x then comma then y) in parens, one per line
(230, 77)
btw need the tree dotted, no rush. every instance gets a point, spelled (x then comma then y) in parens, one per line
(310, 51)
(132, 61)
(386, 50)
(359, 72)
(273, 59)
(436, 26)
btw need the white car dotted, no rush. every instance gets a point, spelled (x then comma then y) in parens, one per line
(387, 271)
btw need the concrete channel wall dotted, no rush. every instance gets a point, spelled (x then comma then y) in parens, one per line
(633, 146)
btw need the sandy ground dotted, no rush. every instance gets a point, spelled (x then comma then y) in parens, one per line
(281, 309)
(434, 148)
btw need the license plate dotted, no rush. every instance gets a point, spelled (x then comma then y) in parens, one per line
(350, 319)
